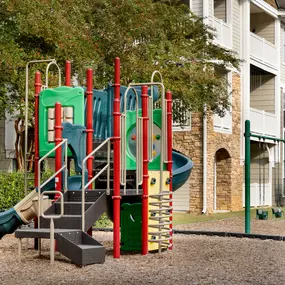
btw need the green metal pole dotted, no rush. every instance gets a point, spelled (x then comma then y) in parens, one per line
(247, 176)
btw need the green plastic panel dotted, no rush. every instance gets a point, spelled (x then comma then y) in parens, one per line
(131, 140)
(68, 97)
(131, 228)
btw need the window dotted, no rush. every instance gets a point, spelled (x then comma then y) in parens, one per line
(220, 10)
(224, 124)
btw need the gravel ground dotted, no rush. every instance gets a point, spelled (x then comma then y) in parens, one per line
(194, 260)
(269, 227)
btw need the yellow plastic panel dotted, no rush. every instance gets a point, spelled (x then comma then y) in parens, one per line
(153, 190)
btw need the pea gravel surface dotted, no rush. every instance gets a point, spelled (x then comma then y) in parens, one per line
(193, 260)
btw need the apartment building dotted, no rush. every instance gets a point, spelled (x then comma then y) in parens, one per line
(255, 30)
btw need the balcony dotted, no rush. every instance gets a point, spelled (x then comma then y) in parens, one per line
(263, 123)
(263, 51)
(223, 33)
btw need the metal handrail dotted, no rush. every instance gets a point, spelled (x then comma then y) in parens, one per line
(40, 186)
(59, 73)
(27, 114)
(163, 155)
(84, 187)
(163, 141)
(150, 115)
(52, 217)
(123, 143)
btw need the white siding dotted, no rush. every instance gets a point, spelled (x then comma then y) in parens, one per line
(263, 25)
(197, 7)
(211, 12)
(220, 10)
(236, 23)
(282, 55)
(181, 198)
(5, 164)
(262, 90)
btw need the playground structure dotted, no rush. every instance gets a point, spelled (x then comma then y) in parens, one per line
(260, 213)
(124, 163)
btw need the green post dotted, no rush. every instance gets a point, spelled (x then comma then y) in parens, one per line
(247, 176)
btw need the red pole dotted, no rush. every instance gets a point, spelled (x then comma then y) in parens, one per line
(38, 86)
(144, 97)
(89, 127)
(58, 152)
(169, 153)
(37, 91)
(89, 122)
(117, 152)
(68, 73)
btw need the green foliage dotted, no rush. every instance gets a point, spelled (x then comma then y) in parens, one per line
(103, 222)
(145, 34)
(11, 189)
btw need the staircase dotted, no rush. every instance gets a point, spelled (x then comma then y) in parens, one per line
(72, 242)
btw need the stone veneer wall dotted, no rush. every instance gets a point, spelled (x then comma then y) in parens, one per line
(191, 144)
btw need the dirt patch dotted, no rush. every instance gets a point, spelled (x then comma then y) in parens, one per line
(193, 260)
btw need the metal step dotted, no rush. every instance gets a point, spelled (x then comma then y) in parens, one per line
(72, 218)
(71, 208)
(76, 196)
(65, 222)
(76, 245)
(80, 248)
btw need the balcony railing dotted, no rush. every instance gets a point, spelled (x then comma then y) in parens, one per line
(263, 123)
(223, 34)
(262, 50)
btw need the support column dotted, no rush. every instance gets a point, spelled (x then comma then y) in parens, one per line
(144, 97)
(89, 123)
(38, 86)
(89, 128)
(68, 73)
(58, 152)
(116, 161)
(247, 176)
(169, 154)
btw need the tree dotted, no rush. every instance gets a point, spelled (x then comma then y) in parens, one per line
(145, 34)
(166, 36)
(38, 30)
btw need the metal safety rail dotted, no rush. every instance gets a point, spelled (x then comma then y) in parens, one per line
(162, 202)
(47, 70)
(106, 167)
(150, 115)
(163, 154)
(52, 217)
(139, 146)
(63, 143)
(50, 61)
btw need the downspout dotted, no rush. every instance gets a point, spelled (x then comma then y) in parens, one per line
(204, 160)
(204, 210)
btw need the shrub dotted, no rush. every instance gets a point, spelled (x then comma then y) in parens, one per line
(11, 189)
(103, 222)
